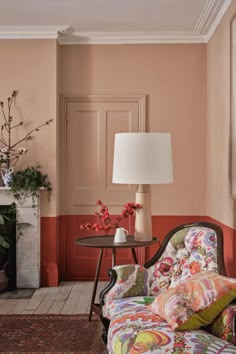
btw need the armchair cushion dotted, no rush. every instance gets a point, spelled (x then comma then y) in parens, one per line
(207, 316)
(224, 325)
(206, 291)
(190, 251)
(140, 331)
(132, 280)
(120, 307)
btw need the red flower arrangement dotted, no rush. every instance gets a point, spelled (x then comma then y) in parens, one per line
(105, 220)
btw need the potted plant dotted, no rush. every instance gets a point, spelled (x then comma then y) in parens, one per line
(31, 179)
(28, 182)
(11, 150)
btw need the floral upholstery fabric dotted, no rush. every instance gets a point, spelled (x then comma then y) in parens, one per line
(132, 280)
(189, 251)
(135, 329)
(140, 331)
(224, 325)
(120, 307)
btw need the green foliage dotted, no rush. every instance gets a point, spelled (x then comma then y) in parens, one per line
(7, 233)
(27, 182)
(3, 237)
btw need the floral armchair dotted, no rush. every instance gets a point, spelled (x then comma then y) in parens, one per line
(131, 324)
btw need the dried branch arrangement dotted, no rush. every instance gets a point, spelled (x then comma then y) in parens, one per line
(10, 151)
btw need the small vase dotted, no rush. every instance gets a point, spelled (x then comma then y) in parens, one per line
(7, 175)
(120, 235)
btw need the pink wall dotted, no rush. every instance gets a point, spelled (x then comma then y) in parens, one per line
(174, 78)
(30, 67)
(220, 206)
(188, 95)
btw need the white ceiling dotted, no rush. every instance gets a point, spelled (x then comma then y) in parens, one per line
(105, 21)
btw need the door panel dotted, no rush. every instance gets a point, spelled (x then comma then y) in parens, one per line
(91, 125)
(90, 138)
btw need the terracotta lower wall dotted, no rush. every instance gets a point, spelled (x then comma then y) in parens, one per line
(50, 251)
(53, 246)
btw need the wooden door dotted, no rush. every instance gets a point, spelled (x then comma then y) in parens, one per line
(91, 123)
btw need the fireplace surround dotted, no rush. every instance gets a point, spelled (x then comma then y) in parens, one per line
(27, 239)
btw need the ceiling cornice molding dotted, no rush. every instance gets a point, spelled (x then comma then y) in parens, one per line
(129, 38)
(207, 16)
(218, 18)
(32, 32)
(207, 23)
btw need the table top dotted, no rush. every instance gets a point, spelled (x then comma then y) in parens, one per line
(107, 241)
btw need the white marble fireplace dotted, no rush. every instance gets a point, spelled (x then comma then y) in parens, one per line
(27, 244)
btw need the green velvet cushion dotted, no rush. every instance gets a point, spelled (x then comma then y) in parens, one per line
(205, 317)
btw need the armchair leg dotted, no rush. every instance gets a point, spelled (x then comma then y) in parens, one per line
(104, 336)
(106, 324)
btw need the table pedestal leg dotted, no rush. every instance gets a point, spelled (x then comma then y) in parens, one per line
(113, 262)
(95, 283)
(134, 256)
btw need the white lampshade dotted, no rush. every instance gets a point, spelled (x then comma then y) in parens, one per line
(142, 158)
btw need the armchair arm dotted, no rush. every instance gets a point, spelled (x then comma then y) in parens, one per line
(224, 325)
(113, 277)
(126, 281)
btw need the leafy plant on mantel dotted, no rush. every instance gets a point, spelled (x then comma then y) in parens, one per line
(28, 182)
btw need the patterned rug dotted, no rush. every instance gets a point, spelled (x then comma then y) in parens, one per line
(50, 333)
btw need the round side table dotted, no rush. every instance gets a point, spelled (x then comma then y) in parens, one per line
(106, 241)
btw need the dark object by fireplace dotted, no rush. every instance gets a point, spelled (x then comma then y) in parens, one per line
(8, 255)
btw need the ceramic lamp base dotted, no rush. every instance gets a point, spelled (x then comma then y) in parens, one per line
(143, 218)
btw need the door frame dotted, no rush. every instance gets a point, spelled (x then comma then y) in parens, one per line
(64, 101)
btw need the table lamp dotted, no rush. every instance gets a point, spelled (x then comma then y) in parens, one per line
(142, 159)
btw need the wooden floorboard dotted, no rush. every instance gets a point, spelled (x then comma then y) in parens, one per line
(56, 307)
(68, 298)
(19, 306)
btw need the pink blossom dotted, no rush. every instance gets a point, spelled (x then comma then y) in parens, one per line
(105, 221)
(95, 225)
